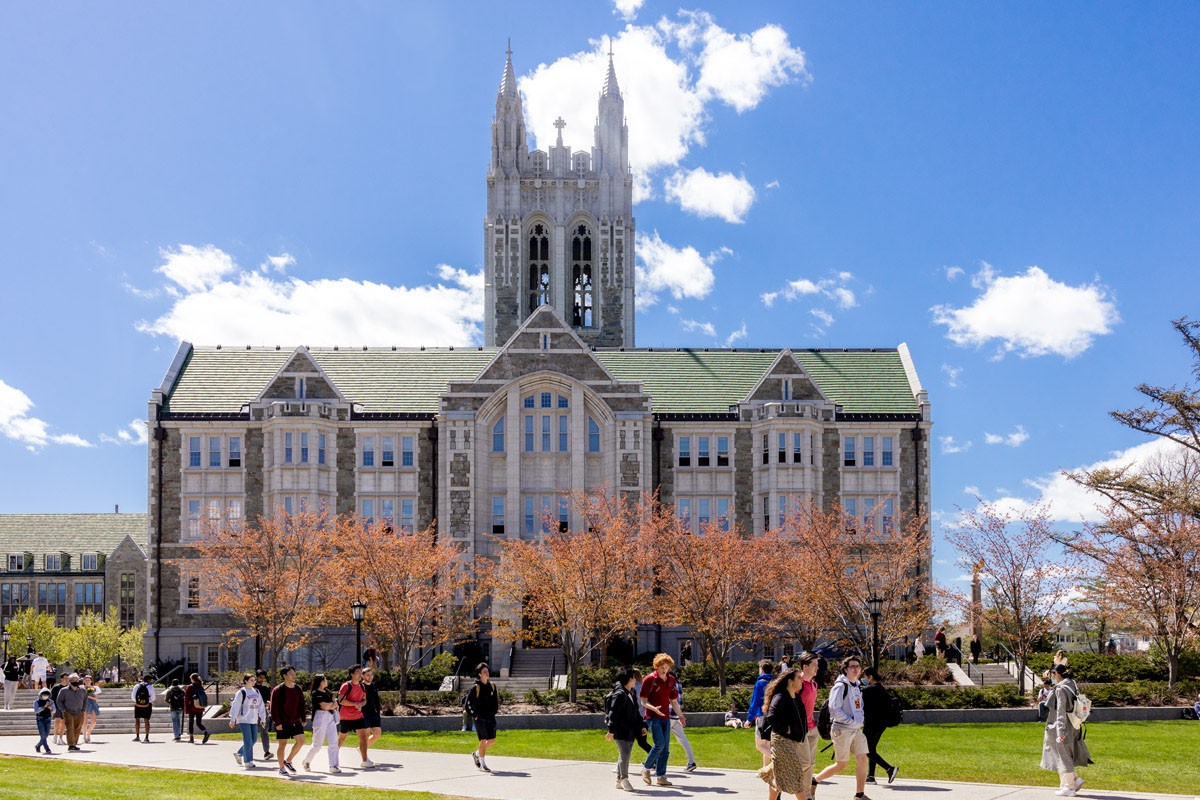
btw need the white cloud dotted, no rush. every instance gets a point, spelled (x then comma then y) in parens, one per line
(835, 289)
(951, 374)
(134, 433)
(278, 263)
(195, 269)
(823, 320)
(773, 184)
(704, 194)
(680, 270)
(953, 273)
(235, 306)
(1066, 500)
(1015, 439)
(34, 433)
(627, 8)
(1030, 314)
(950, 446)
(735, 336)
(668, 72)
(691, 326)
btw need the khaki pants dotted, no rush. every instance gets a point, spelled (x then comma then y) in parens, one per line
(808, 758)
(74, 724)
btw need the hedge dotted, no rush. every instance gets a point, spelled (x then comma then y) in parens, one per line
(919, 697)
(1095, 668)
(1140, 693)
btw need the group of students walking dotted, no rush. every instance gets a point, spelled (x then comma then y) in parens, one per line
(67, 711)
(284, 710)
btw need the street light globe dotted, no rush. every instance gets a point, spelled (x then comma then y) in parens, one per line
(875, 605)
(359, 610)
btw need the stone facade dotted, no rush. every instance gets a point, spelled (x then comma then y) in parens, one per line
(486, 443)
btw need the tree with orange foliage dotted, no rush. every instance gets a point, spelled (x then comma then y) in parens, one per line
(835, 563)
(1146, 554)
(271, 575)
(415, 587)
(718, 582)
(577, 588)
(1025, 588)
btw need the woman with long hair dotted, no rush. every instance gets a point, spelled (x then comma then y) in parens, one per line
(788, 729)
(1063, 748)
(325, 724)
(92, 713)
(195, 700)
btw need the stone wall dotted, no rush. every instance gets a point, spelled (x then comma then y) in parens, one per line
(426, 465)
(831, 468)
(253, 459)
(743, 478)
(347, 454)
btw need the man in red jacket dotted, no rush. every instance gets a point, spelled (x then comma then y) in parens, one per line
(287, 715)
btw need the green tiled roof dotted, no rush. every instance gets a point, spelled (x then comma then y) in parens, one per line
(411, 380)
(69, 533)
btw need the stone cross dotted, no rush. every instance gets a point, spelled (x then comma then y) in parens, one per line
(560, 124)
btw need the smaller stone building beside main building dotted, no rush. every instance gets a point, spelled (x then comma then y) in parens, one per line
(65, 564)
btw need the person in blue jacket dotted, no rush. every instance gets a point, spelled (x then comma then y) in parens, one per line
(763, 744)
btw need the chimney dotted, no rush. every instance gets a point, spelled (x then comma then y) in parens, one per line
(116, 509)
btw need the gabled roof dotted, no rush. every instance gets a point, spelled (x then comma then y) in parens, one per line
(221, 380)
(70, 533)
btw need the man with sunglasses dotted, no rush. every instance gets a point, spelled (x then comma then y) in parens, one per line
(846, 714)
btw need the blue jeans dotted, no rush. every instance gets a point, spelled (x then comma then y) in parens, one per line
(656, 759)
(177, 723)
(249, 737)
(44, 724)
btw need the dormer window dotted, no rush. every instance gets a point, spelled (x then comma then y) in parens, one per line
(89, 562)
(16, 563)
(53, 563)
(787, 389)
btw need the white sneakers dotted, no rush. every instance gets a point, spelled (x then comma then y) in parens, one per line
(624, 785)
(368, 764)
(1066, 791)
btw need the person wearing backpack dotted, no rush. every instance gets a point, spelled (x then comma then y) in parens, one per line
(1063, 747)
(176, 703)
(195, 700)
(877, 717)
(806, 698)
(482, 702)
(754, 715)
(143, 706)
(846, 717)
(246, 712)
(624, 723)
(352, 698)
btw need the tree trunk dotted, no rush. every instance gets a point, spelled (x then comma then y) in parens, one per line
(1172, 667)
(403, 665)
(1021, 659)
(573, 678)
(719, 663)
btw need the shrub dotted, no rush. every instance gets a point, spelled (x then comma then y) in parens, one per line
(430, 677)
(1003, 696)
(705, 674)
(1140, 693)
(1096, 668)
(929, 670)
(597, 677)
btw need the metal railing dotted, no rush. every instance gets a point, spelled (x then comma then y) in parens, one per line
(550, 677)
(163, 679)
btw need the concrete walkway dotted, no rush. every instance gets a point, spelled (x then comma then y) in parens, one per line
(514, 778)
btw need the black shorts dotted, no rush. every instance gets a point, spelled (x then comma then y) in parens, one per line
(485, 728)
(758, 729)
(289, 732)
(142, 713)
(352, 725)
(373, 720)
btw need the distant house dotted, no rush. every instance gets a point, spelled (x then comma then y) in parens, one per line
(65, 564)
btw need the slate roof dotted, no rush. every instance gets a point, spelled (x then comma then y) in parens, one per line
(70, 533)
(221, 380)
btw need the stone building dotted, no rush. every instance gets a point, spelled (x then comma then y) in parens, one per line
(65, 564)
(487, 440)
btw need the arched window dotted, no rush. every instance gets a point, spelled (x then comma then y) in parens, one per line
(581, 276)
(498, 436)
(539, 267)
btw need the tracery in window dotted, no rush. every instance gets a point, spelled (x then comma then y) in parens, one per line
(581, 277)
(539, 267)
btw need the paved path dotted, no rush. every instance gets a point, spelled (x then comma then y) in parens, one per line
(517, 778)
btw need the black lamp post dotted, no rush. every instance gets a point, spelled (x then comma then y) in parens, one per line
(28, 644)
(258, 596)
(5, 636)
(875, 606)
(358, 609)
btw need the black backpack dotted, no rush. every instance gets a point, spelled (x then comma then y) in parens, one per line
(824, 722)
(610, 700)
(895, 713)
(141, 695)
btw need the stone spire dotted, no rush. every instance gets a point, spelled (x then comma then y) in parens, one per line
(611, 89)
(508, 81)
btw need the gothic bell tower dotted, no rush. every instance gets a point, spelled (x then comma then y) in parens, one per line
(560, 228)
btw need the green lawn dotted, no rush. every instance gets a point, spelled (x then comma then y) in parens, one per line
(64, 780)
(1135, 756)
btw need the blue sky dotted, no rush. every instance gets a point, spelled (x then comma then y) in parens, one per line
(1012, 190)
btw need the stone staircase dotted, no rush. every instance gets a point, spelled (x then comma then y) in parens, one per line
(990, 674)
(530, 669)
(116, 715)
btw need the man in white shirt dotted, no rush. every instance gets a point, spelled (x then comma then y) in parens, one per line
(37, 671)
